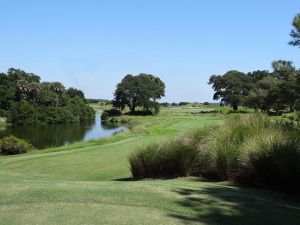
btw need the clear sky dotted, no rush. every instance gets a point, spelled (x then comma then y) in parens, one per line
(91, 45)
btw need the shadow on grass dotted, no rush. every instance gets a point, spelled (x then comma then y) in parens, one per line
(237, 206)
(124, 179)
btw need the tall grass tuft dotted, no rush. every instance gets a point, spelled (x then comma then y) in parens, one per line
(249, 149)
(173, 158)
(271, 158)
(224, 143)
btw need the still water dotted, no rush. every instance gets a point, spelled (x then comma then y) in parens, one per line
(45, 136)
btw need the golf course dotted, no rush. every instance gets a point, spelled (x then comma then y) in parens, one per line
(150, 112)
(90, 183)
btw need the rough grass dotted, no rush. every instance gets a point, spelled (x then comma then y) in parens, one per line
(249, 149)
(77, 185)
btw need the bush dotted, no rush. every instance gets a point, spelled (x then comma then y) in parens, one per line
(164, 104)
(170, 159)
(249, 149)
(12, 145)
(224, 144)
(109, 113)
(183, 103)
(23, 113)
(271, 158)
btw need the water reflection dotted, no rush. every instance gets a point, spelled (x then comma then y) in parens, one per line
(58, 135)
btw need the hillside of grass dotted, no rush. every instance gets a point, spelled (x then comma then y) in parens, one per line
(89, 183)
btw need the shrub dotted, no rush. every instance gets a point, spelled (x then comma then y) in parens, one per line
(250, 149)
(224, 143)
(164, 104)
(183, 103)
(170, 159)
(271, 158)
(12, 145)
(109, 113)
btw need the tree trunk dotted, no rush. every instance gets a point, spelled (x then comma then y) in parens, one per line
(235, 107)
(132, 109)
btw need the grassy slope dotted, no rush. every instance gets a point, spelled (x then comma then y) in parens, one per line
(74, 185)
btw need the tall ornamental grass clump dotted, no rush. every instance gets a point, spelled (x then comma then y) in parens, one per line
(250, 149)
(177, 157)
(271, 158)
(224, 144)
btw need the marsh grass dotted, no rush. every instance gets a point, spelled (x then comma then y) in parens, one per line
(249, 149)
(174, 158)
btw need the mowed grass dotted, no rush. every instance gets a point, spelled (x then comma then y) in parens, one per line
(87, 183)
(180, 201)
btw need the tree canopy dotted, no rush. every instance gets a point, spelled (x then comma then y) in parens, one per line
(263, 90)
(26, 100)
(295, 33)
(231, 88)
(142, 90)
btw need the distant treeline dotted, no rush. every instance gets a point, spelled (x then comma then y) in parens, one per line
(268, 91)
(26, 100)
(104, 101)
(166, 104)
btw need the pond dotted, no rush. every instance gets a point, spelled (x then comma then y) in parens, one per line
(45, 136)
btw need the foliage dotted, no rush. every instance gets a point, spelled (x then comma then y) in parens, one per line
(231, 88)
(170, 159)
(295, 33)
(12, 145)
(270, 92)
(183, 103)
(249, 149)
(142, 91)
(271, 158)
(164, 104)
(73, 92)
(25, 100)
(109, 113)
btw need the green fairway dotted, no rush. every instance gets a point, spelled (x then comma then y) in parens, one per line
(179, 201)
(86, 184)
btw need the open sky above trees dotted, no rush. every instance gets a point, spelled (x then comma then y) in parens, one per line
(92, 45)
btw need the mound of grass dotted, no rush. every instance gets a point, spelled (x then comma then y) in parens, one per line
(170, 159)
(271, 158)
(249, 149)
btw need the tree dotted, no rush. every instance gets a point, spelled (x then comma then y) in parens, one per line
(231, 88)
(285, 72)
(24, 100)
(73, 92)
(142, 90)
(295, 33)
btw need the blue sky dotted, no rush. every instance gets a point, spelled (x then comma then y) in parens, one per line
(91, 45)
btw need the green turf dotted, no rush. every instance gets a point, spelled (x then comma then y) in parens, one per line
(86, 184)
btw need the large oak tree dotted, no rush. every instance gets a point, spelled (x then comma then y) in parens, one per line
(231, 88)
(142, 91)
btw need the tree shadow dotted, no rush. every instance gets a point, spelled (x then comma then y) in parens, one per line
(236, 206)
(139, 113)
